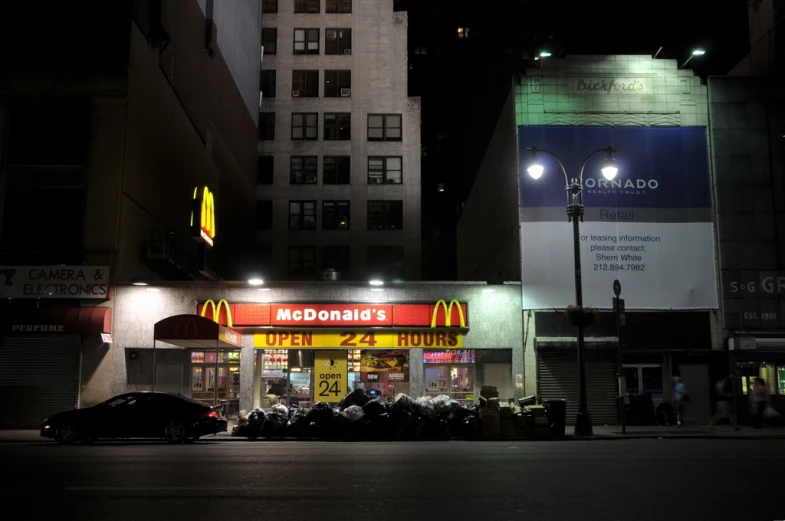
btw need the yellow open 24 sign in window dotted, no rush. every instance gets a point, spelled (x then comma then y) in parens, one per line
(358, 339)
(331, 376)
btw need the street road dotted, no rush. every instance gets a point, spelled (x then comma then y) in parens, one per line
(567, 480)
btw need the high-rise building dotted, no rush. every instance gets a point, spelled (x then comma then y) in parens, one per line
(339, 143)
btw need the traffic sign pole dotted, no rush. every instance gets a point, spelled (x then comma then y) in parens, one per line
(618, 308)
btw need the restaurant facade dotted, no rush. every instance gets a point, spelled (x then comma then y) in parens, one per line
(309, 342)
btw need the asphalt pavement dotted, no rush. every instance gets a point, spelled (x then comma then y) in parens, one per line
(639, 479)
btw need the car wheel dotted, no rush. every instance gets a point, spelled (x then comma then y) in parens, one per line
(174, 432)
(65, 434)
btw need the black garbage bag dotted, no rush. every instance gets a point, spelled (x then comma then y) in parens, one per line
(373, 409)
(356, 397)
(314, 430)
(403, 422)
(340, 426)
(274, 425)
(252, 427)
(321, 413)
(297, 425)
(431, 428)
(379, 427)
(470, 427)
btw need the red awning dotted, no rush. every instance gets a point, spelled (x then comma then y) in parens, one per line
(193, 331)
(59, 320)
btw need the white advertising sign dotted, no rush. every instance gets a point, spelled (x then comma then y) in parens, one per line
(54, 282)
(651, 227)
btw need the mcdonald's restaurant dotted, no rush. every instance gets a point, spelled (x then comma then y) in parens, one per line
(246, 346)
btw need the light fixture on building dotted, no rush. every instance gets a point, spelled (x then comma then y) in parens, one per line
(609, 167)
(535, 168)
(137, 282)
(545, 54)
(376, 282)
(489, 290)
(153, 290)
(695, 52)
(255, 281)
(440, 187)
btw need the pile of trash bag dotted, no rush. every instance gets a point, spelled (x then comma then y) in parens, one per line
(358, 416)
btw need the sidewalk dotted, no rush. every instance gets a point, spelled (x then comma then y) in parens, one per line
(606, 432)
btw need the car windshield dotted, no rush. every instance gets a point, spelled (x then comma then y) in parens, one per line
(118, 401)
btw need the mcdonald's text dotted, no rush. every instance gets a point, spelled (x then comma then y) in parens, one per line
(332, 314)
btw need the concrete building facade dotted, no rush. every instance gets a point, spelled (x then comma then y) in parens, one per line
(339, 149)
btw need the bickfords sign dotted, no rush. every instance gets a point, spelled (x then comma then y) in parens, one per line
(609, 85)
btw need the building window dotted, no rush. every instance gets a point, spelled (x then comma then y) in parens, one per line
(269, 6)
(337, 170)
(339, 6)
(385, 215)
(306, 41)
(337, 84)
(267, 126)
(302, 215)
(305, 125)
(338, 41)
(306, 6)
(302, 261)
(303, 170)
(267, 83)
(463, 32)
(305, 84)
(264, 170)
(385, 261)
(335, 258)
(384, 127)
(421, 51)
(270, 40)
(335, 215)
(385, 170)
(264, 215)
(337, 127)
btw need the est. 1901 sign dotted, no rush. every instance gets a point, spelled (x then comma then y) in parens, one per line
(53, 282)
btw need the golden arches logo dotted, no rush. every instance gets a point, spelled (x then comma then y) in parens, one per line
(217, 310)
(204, 224)
(448, 313)
(185, 323)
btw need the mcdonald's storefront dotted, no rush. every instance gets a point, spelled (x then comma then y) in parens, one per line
(311, 342)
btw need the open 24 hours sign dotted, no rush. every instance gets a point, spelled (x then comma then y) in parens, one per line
(358, 339)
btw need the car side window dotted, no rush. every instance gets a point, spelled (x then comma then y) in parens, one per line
(122, 401)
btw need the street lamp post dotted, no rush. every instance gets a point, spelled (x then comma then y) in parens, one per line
(574, 189)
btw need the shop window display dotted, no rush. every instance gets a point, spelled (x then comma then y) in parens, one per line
(223, 368)
(286, 377)
(380, 372)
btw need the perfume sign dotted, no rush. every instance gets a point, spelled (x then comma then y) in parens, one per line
(609, 85)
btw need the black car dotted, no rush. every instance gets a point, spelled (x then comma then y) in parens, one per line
(137, 415)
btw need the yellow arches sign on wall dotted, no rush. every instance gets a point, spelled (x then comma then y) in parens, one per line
(203, 215)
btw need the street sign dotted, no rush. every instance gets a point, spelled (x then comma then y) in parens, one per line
(618, 304)
(616, 287)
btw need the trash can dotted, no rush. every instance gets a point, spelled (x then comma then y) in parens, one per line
(556, 411)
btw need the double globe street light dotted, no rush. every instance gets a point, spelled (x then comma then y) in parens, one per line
(574, 189)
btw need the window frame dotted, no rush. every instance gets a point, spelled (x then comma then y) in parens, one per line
(268, 205)
(338, 6)
(304, 170)
(335, 215)
(306, 126)
(332, 131)
(270, 92)
(334, 247)
(386, 210)
(274, 49)
(306, 32)
(260, 167)
(267, 126)
(385, 127)
(302, 214)
(385, 170)
(340, 43)
(400, 252)
(335, 84)
(271, 6)
(338, 161)
(310, 86)
(307, 6)
(302, 271)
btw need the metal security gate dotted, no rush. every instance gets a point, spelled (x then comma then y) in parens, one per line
(39, 375)
(557, 378)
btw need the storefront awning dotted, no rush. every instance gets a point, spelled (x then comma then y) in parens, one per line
(195, 332)
(77, 321)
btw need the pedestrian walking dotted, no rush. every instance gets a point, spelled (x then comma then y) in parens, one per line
(762, 401)
(680, 397)
(724, 409)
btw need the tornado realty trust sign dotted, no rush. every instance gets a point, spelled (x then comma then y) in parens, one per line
(54, 282)
(650, 228)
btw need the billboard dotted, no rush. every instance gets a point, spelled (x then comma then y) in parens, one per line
(651, 227)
